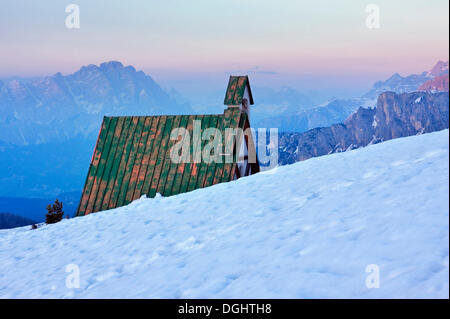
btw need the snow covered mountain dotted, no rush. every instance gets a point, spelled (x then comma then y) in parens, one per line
(314, 229)
(58, 108)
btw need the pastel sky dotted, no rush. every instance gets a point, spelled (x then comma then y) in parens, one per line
(283, 42)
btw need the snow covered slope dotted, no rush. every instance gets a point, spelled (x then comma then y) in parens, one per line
(306, 230)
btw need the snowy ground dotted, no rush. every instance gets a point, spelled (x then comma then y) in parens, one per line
(306, 230)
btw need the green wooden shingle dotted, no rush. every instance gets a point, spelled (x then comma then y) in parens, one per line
(235, 90)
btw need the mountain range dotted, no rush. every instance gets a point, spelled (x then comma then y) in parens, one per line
(396, 115)
(331, 112)
(337, 110)
(8, 220)
(57, 108)
(63, 107)
(399, 84)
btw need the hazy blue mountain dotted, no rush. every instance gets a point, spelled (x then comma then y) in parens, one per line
(31, 208)
(285, 99)
(44, 170)
(333, 112)
(35, 208)
(58, 107)
(268, 101)
(8, 220)
(399, 84)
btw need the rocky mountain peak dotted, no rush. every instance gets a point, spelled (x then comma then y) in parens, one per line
(440, 68)
(111, 65)
(405, 84)
(437, 84)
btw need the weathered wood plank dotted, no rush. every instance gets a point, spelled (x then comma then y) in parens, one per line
(188, 167)
(218, 149)
(146, 159)
(195, 167)
(172, 170)
(161, 157)
(231, 90)
(101, 166)
(236, 120)
(167, 162)
(130, 163)
(109, 162)
(116, 162)
(138, 160)
(181, 166)
(229, 119)
(196, 154)
(204, 166)
(240, 88)
(154, 155)
(123, 162)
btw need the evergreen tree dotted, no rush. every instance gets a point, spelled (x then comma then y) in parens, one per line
(55, 213)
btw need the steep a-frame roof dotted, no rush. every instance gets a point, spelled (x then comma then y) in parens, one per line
(132, 158)
(235, 90)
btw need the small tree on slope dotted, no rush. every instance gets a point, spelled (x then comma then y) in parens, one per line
(55, 213)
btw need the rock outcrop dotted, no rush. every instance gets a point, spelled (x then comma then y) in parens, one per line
(439, 83)
(396, 115)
